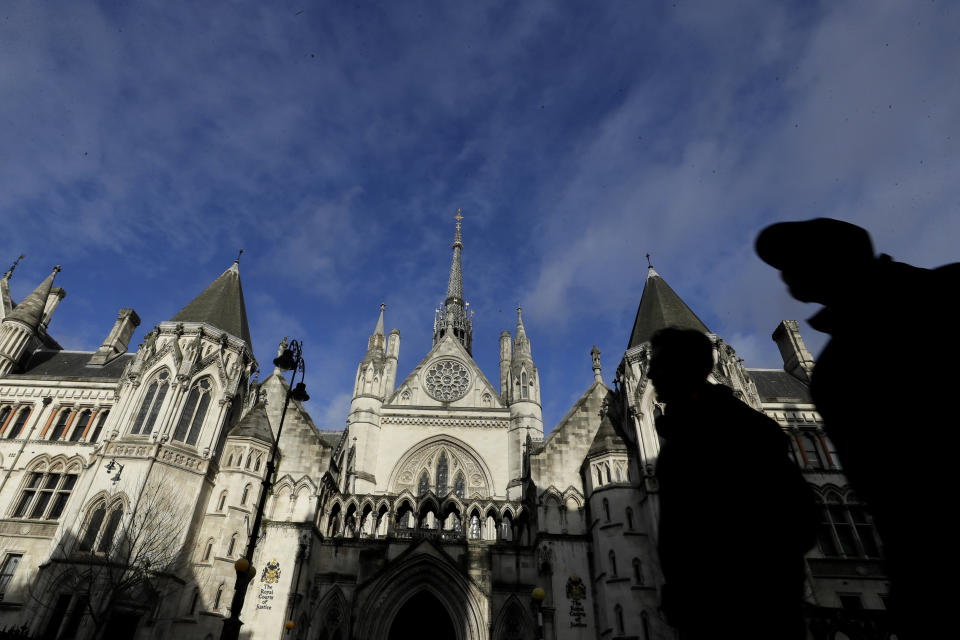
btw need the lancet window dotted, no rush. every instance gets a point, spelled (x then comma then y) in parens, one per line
(442, 474)
(61, 424)
(194, 411)
(81, 425)
(150, 405)
(424, 485)
(459, 486)
(96, 430)
(18, 423)
(101, 527)
(45, 495)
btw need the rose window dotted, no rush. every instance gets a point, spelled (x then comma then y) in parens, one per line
(447, 380)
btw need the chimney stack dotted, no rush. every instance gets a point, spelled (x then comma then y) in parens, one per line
(797, 361)
(116, 343)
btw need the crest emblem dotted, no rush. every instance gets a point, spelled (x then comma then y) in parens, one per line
(576, 590)
(271, 573)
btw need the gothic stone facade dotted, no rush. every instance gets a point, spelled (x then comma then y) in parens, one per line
(128, 483)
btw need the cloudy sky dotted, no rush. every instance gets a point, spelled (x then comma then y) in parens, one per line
(144, 143)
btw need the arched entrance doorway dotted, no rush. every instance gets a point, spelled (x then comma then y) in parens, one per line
(423, 615)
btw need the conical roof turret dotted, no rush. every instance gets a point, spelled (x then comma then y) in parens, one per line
(661, 307)
(30, 311)
(254, 424)
(607, 440)
(521, 344)
(220, 305)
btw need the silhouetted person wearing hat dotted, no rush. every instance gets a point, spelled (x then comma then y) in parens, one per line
(736, 516)
(885, 384)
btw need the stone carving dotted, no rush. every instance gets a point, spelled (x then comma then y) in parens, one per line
(447, 380)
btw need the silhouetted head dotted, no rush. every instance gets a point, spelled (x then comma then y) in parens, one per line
(819, 259)
(680, 362)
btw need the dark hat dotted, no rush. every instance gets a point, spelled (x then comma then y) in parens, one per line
(795, 244)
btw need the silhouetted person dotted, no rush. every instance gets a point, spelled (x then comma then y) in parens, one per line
(736, 516)
(885, 384)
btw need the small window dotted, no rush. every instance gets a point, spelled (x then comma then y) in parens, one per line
(61, 424)
(619, 475)
(637, 571)
(232, 545)
(208, 551)
(256, 465)
(7, 571)
(442, 474)
(599, 477)
(607, 468)
(629, 518)
(606, 510)
(222, 501)
(80, 426)
(249, 460)
(216, 600)
(101, 528)
(4, 414)
(459, 486)
(246, 494)
(193, 601)
(99, 428)
(613, 563)
(618, 612)
(812, 452)
(850, 601)
(18, 423)
(832, 453)
(424, 485)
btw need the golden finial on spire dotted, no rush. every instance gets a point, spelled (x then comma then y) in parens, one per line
(457, 239)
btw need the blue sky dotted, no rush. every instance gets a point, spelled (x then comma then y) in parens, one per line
(144, 143)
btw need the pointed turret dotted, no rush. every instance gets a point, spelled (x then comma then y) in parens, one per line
(661, 307)
(523, 397)
(30, 311)
(254, 424)
(607, 440)
(454, 317)
(220, 305)
(6, 302)
(377, 343)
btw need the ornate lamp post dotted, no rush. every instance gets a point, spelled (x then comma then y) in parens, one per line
(290, 360)
(538, 595)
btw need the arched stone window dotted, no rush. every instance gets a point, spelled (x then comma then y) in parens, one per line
(45, 495)
(459, 486)
(208, 551)
(607, 469)
(606, 510)
(81, 425)
(845, 529)
(219, 597)
(232, 545)
(524, 392)
(249, 460)
(222, 501)
(99, 428)
(246, 494)
(101, 529)
(4, 414)
(618, 613)
(474, 527)
(613, 563)
(424, 485)
(150, 405)
(193, 602)
(256, 464)
(62, 419)
(599, 477)
(18, 423)
(637, 571)
(629, 518)
(645, 623)
(194, 411)
(442, 474)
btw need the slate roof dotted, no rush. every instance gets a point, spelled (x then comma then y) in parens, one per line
(221, 305)
(776, 385)
(330, 438)
(607, 439)
(71, 365)
(254, 425)
(661, 307)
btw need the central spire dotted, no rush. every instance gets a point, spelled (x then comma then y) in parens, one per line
(454, 316)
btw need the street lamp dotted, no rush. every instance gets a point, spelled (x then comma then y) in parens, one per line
(290, 360)
(538, 595)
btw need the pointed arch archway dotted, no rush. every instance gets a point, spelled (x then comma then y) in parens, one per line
(431, 576)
